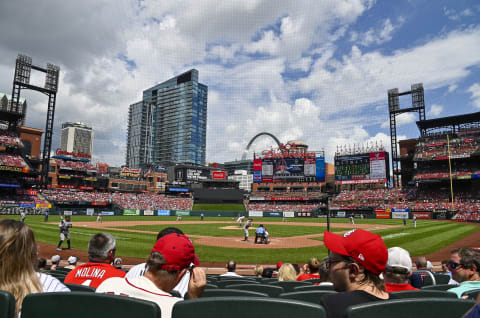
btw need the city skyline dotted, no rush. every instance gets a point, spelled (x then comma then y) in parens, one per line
(317, 72)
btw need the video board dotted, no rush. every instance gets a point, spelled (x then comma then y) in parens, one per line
(289, 169)
(362, 168)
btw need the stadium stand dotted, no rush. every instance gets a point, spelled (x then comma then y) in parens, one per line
(10, 139)
(124, 200)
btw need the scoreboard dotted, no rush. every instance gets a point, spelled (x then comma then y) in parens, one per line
(362, 168)
(289, 169)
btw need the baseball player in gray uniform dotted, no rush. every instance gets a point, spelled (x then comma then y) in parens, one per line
(64, 225)
(245, 229)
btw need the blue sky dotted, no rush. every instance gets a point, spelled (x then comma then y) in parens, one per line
(316, 71)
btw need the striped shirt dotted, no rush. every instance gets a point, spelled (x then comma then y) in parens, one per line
(51, 284)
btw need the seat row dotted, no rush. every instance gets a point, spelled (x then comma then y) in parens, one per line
(81, 304)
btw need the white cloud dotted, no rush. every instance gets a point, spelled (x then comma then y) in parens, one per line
(452, 88)
(454, 15)
(343, 82)
(475, 91)
(435, 110)
(377, 36)
(339, 100)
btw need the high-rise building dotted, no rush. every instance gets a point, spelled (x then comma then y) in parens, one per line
(77, 137)
(169, 125)
(6, 106)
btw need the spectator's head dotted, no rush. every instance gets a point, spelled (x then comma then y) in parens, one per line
(313, 265)
(258, 270)
(168, 230)
(56, 259)
(399, 266)
(445, 266)
(421, 262)
(72, 260)
(464, 264)
(102, 248)
(279, 264)
(287, 273)
(231, 265)
(356, 259)
(42, 263)
(18, 257)
(171, 256)
(117, 263)
(429, 265)
(323, 271)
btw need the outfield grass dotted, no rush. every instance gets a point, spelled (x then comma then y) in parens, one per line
(428, 237)
(218, 207)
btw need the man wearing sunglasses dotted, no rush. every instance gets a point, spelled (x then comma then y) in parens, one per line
(465, 265)
(355, 262)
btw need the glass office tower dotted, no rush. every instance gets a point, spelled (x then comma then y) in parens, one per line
(179, 122)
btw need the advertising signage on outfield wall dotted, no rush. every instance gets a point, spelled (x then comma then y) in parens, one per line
(183, 213)
(422, 215)
(108, 213)
(163, 212)
(172, 189)
(131, 212)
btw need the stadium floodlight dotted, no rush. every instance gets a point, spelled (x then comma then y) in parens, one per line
(51, 78)
(23, 69)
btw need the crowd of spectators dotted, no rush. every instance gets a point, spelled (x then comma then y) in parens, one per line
(283, 207)
(408, 198)
(172, 272)
(19, 198)
(10, 139)
(143, 201)
(462, 145)
(444, 173)
(12, 160)
(75, 165)
(291, 193)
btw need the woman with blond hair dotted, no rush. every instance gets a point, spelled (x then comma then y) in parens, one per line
(287, 272)
(258, 271)
(18, 257)
(310, 270)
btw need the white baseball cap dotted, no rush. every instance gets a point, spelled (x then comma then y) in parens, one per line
(399, 257)
(56, 258)
(72, 260)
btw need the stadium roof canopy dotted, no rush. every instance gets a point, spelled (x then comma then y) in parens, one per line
(451, 123)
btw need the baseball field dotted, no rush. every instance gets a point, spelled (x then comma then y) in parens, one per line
(218, 239)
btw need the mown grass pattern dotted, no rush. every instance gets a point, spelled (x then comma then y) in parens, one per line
(428, 237)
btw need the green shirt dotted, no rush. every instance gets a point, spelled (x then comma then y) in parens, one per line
(465, 286)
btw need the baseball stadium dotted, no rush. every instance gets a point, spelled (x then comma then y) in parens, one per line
(422, 195)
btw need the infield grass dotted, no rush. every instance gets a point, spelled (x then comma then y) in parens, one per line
(428, 237)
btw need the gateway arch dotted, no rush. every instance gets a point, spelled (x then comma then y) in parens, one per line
(245, 152)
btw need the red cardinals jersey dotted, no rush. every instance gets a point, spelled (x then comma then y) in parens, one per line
(92, 274)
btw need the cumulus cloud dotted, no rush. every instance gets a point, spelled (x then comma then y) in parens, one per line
(435, 110)
(377, 36)
(457, 15)
(270, 66)
(475, 91)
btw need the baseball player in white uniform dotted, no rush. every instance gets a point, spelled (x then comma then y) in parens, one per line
(22, 217)
(63, 226)
(240, 220)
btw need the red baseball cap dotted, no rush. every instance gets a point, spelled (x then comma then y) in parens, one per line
(178, 251)
(279, 264)
(366, 248)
